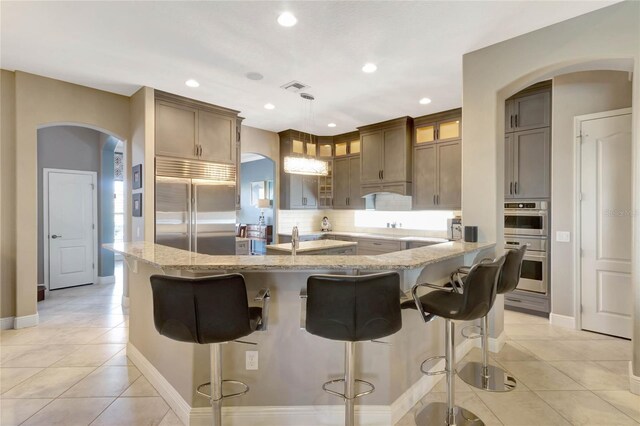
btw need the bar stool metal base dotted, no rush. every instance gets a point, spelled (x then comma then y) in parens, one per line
(493, 379)
(436, 413)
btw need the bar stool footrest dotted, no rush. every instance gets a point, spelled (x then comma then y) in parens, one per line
(471, 336)
(343, 396)
(432, 373)
(231, 395)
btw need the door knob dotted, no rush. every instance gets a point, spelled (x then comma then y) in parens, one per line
(56, 236)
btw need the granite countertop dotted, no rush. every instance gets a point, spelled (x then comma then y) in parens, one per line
(373, 236)
(170, 258)
(304, 246)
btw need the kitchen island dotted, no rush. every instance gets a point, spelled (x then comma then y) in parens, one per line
(318, 247)
(286, 389)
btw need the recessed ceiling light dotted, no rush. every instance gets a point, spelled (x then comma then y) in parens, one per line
(269, 106)
(369, 68)
(286, 19)
(254, 76)
(192, 83)
(425, 101)
(331, 124)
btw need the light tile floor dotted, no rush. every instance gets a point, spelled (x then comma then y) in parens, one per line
(72, 370)
(565, 377)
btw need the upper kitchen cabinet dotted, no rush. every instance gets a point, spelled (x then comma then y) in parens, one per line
(347, 184)
(529, 109)
(298, 191)
(437, 161)
(346, 144)
(527, 156)
(195, 130)
(385, 157)
(528, 143)
(238, 159)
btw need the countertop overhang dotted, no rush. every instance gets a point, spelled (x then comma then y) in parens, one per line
(170, 258)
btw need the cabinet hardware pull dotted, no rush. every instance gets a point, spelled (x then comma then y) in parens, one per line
(438, 198)
(516, 120)
(382, 172)
(434, 199)
(515, 300)
(516, 187)
(511, 121)
(511, 188)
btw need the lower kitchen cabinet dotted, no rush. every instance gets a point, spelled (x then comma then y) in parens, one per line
(373, 247)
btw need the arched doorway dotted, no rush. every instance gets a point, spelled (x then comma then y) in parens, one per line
(67, 154)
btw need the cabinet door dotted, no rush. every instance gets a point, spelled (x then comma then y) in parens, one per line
(394, 159)
(341, 187)
(238, 185)
(531, 163)
(449, 175)
(424, 176)
(216, 136)
(508, 165)
(176, 130)
(310, 191)
(296, 200)
(449, 130)
(356, 202)
(532, 111)
(370, 157)
(508, 116)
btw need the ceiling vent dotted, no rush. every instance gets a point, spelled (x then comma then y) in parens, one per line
(294, 86)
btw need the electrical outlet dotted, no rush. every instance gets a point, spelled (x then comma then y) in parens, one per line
(251, 360)
(563, 236)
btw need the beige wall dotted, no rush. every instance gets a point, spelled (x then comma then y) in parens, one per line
(141, 151)
(492, 74)
(7, 194)
(574, 94)
(40, 102)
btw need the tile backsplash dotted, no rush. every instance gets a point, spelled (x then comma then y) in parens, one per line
(432, 223)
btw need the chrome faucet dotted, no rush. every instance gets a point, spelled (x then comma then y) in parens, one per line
(295, 238)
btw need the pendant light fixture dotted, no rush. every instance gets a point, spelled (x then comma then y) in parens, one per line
(305, 164)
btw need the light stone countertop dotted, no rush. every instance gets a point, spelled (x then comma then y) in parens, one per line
(304, 246)
(372, 236)
(170, 258)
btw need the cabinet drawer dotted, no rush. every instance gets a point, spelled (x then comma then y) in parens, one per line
(382, 246)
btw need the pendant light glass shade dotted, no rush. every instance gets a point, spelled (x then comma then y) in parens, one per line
(305, 166)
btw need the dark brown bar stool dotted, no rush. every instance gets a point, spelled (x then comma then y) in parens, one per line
(352, 309)
(484, 375)
(448, 303)
(208, 311)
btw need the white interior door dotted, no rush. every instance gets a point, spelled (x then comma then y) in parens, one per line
(606, 215)
(72, 240)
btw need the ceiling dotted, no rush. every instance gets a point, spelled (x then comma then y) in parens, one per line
(417, 46)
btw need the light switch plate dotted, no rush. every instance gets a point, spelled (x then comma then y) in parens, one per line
(563, 236)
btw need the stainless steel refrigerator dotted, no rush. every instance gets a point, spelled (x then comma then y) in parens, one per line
(195, 206)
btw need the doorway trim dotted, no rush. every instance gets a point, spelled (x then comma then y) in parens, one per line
(45, 219)
(577, 208)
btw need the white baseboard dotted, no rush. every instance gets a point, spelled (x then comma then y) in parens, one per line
(562, 321)
(110, 279)
(634, 381)
(7, 323)
(26, 321)
(320, 415)
(170, 395)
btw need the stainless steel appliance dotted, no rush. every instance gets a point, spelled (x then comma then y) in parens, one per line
(195, 205)
(526, 218)
(534, 275)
